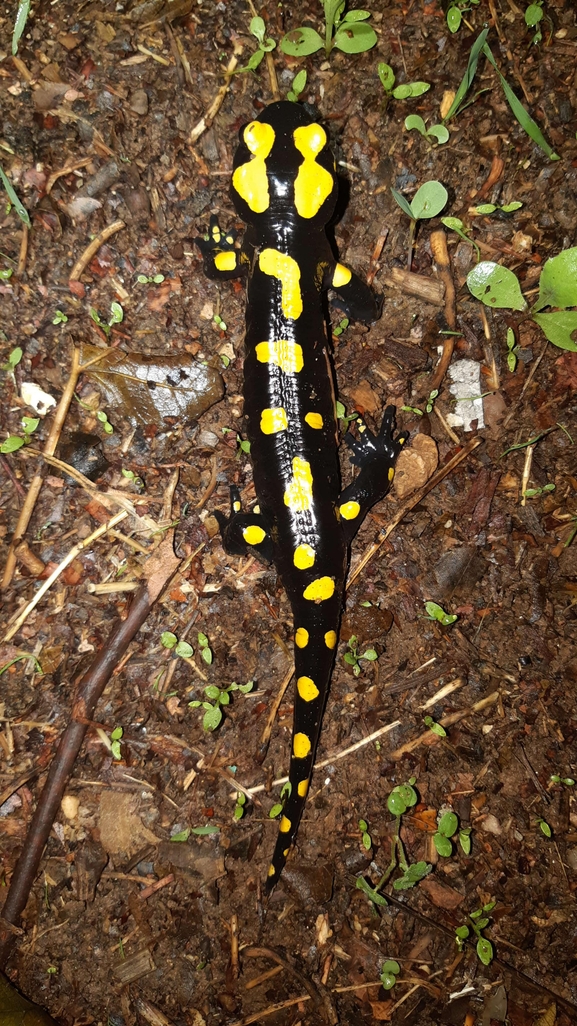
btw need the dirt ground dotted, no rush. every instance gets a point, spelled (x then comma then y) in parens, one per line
(99, 131)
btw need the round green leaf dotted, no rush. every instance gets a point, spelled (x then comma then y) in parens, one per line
(410, 89)
(363, 825)
(184, 650)
(212, 692)
(495, 286)
(168, 639)
(245, 688)
(533, 15)
(388, 980)
(560, 328)
(484, 950)
(275, 811)
(301, 42)
(454, 18)
(558, 281)
(395, 804)
(443, 845)
(454, 223)
(408, 794)
(238, 812)
(212, 718)
(462, 932)
(391, 966)
(429, 200)
(370, 654)
(415, 121)
(367, 843)
(510, 207)
(257, 28)
(355, 37)
(12, 444)
(207, 655)
(224, 698)
(387, 76)
(356, 15)
(439, 132)
(448, 824)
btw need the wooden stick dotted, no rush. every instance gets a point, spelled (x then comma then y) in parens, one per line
(93, 248)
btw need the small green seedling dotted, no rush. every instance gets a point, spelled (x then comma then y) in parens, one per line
(243, 445)
(455, 14)
(456, 225)
(434, 727)
(533, 18)
(14, 201)
(257, 29)
(52, 970)
(486, 209)
(217, 319)
(218, 697)
(181, 648)
(12, 362)
(438, 133)
(205, 650)
(352, 656)
(446, 829)
(115, 742)
(406, 91)
(19, 657)
(428, 405)
(116, 317)
(59, 318)
(341, 326)
(427, 202)
(347, 32)
(277, 808)
(239, 809)
(6, 274)
(534, 493)
(436, 612)
(544, 828)
(15, 442)
(555, 779)
(512, 350)
(478, 920)
(198, 831)
(131, 476)
(297, 86)
(103, 419)
(365, 835)
(389, 972)
(150, 279)
(342, 415)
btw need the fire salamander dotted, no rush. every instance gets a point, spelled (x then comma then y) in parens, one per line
(284, 186)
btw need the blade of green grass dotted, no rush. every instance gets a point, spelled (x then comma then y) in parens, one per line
(523, 117)
(469, 74)
(18, 207)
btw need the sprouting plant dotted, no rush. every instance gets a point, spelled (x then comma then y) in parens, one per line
(257, 29)
(512, 350)
(131, 476)
(428, 405)
(6, 273)
(533, 18)
(455, 14)
(477, 921)
(347, 32)
(544, 827)
(297, 86)
(342, 414)
(243, 445)
(198, 831)
(15, 442)
(217, 319)
(437, 132)
(204, 647)
(427, 202)
(556, 779)
(341, 326)
(115, 742)
(181, 648)
(435, 728)
(447, 827)
(150, 279)
(102, 418)
(405, 91)
(20, 24)
(59, 318)
(487, 209)
(365, 835)
(14, 201)
(436, 612)
(277, 808)
(19, 657)
(218, 697)
(389, 972)
(533, 493)
(12, 362)
(116, 317)
(239, 808)
(352, 656)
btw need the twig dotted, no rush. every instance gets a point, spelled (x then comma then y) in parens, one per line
(158, 571)
(93, 248)
(278, 1007)
(23, 252)
(530, 377)
(206, 121)
(526, 472)
(274, 708)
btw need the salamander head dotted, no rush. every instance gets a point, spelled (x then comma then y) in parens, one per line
(284, 166)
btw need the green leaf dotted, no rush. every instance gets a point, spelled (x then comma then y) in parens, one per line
(367, 843)
(415, 121)
(354, 37)
(20, 24)
(403, 203)
(410, 89)
(429, 200)
(184, 650)
(386, 75)
(412, 876)
(545, 828)
(301, 42)
(468, 76)
(482, 923)
(510, 207)
(370, 654)
(202, 639)
(6, 274)
(207, 656)
(30, 424)
(560, 328)
(395, 804)
(523, 117)
(388, 980)
(370, 892)
(465, 840)
(533, 15)
(15, 357)
(485, 208)
(350, 659)
(454, 18)
(299, 82)
(485, 950)
(439, 132)
(257, 28)
(205, 831)
(245, 688)
(182, 836)
(437, 729)
(213, 692)
(489, 906)
(212, 718)
(462, 932)
(436, 612)
(408, 794)
(558, 281)
(391, 966)
(495, 286)
(115, 750)
(356, 15)
(363, 825)
(117, 734)
(448, 824)
(224, 698)
(238, 812)
(276, 810)
(443, 845)
(12, 444)
(18, 206)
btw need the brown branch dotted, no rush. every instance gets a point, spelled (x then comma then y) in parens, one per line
(158, 571)
(93, 247)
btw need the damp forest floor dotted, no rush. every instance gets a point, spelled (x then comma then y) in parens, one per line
(131, 911)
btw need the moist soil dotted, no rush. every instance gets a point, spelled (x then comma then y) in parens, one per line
(131, 912)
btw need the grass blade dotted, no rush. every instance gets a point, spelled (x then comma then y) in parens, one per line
(18, 206)
(523, 117)
(469, 74)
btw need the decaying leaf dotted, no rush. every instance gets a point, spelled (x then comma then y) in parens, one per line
(146, 389)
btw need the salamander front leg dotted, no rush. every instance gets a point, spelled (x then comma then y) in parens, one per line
(354, 296)
(376, 456)
(244, 534)
(221, 258)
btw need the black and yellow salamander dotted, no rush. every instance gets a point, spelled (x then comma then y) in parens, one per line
(284, 186)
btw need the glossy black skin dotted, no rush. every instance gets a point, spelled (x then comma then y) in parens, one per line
(311, 389)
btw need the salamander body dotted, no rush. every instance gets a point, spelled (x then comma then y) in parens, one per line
(284, 187)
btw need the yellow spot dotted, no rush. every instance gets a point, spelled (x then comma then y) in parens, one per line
(314, 420)
(301, 746)
(331, 639)
(307, 689)
(286, 269)
(253, 535)
(391, 473)
(285, 825)
(271, 871)
(304, 557)
(314, 183)
(361, 426)
(286, 355)
(225, 261)
(236, 506)
(302, 637)
(273, 421)
(302, 788)
(285, 852)
(216, 233)
(342, 276)
(350, 510)
(250, 179)
(298, 494)
(256, 509)
(320, 589)
(402, 441)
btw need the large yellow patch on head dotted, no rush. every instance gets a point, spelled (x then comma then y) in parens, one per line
(273, 420)
(313, 183)
(286, 355)
(307, 689)
(319, 590)
(250, 179)
(304, 557)
(298, 494)
(285, 268)
(301, 746)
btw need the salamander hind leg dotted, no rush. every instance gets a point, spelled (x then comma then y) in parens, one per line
(376, 456)
(354, 296)
(244, 534)
(221, 258)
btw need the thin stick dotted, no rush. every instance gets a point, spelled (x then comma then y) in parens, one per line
(74, 551)
(158, 571)
(526, 472)
(275, 706)
(271, 1010)
(23, 252)
(93, 248)
(206, 121)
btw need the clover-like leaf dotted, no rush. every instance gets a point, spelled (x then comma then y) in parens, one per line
(439, 132)
(415, 121)
(301, 42)
(495, 286)
(429, 200)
